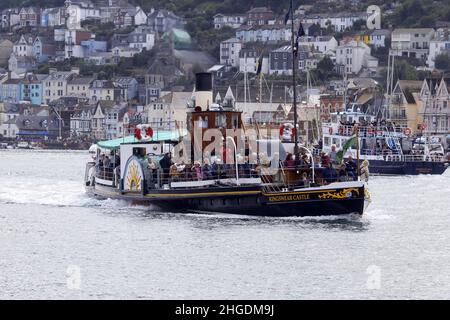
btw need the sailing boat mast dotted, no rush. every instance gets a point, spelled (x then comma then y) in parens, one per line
(294, 102)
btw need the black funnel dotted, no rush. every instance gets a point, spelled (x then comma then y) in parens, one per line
(203, 81)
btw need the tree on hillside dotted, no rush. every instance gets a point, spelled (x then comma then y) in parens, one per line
(442, 61)
(325, 69)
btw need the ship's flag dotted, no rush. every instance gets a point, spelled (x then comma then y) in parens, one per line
(259, 65)
(348, 144)
(286, 17)
(301, 31)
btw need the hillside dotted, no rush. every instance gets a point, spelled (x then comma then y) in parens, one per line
(409, 13)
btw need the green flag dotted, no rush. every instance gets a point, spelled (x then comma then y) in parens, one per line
(348, 144)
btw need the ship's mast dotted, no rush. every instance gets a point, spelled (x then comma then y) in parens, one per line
(294, 102)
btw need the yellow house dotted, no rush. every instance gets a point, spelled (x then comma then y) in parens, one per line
(405, 105)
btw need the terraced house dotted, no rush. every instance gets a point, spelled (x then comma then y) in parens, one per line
(435, 109)
(55, 85)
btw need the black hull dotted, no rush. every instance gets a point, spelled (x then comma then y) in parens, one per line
(250, 201)
(406, 168)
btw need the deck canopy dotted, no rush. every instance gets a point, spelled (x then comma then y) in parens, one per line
(160, 135)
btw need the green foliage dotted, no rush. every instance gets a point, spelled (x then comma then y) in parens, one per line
(420, 13)
(442, 61)
(325, 69)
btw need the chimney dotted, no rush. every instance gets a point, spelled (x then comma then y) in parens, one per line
(203, 90)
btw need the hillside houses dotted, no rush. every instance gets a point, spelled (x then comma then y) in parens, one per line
(232, 21)
(339, 21)
(413, 43)
(353, 56)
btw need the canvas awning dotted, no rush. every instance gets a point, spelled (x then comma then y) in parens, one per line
(160, 135)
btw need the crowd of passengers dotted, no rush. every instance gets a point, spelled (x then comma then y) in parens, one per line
(326, 167)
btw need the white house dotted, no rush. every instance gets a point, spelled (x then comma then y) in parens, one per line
(233, 20)
(80, 122)
(439, 44)
(124, 52)
(264, 33)
(339, 21)
(80, 10)
(128, 87)
(319, 44)
(55, 85)
(79, 87)
(249, 58)
(414, 43)
(229, 52)
(24, 46)
(435, 107)
(141, 37)
(354, 56)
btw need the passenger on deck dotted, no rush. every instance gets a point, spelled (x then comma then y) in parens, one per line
(305, 161)
(207, 170)
(197, 171)
(215, 168)
(333, 153)
(350, 167)
(174, 173)
(317, 162)
(289, 162)
(152, 167)
(325, 158)
(330, 174)
(342, 173)
(165, 164)
(365, 170)
(246, 168)
(304, 182)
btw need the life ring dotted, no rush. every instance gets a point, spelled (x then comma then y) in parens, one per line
(281, 130)
(407, 131)
(143, 132)
(330, 130)
(287, 131)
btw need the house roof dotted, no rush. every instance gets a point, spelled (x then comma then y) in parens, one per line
(125, 80)
(80, 81)
(59, 75)
(259, 10)
(412, 30)
(36, 123)
(161, 67)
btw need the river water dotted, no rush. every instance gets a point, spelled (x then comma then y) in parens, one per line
(56, 243)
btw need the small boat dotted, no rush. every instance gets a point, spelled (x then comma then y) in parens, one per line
(215, 165)
(23, 145)
(390, 150)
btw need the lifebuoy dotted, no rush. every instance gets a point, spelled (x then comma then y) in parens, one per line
(407, 131)
(281, 130)
(287, 131)
(143, 132)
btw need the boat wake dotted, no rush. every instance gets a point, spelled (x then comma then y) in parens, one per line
(51, 192)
